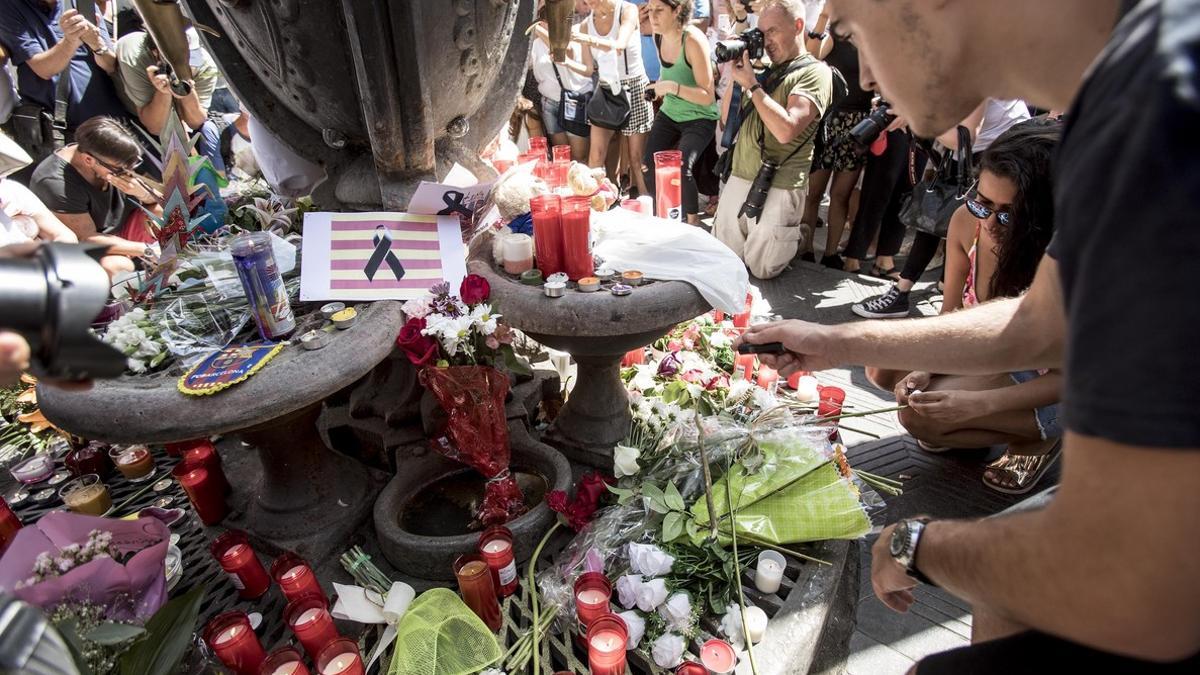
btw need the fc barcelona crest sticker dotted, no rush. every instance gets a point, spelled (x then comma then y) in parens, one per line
(225, 368)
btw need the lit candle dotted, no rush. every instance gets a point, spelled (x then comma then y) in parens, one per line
(518, 253)
(593, 593)
(606, 639)
(768, 378)
(295, 577)
(203, 490)
(340, 657)
(756, 623)
(805, 386)
(768, 575)
(743, 366)
(234, 642)
(310, 621)
(496, 547)
(134, 462)
(284, 661)
(232, 550)
(477, 589)
(718, 656)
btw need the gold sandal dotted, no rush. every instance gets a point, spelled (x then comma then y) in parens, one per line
(1022, 471)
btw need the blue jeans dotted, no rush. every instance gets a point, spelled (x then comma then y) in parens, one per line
(209, 145)
(1046, 416)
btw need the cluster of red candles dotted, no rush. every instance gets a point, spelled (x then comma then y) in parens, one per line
(307, 614)
(562, 235)
(202, 477)
(605, 633)
(488, 574)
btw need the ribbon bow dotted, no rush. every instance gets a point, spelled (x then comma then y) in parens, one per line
(364, 606)
(453, 199)
(383, 251)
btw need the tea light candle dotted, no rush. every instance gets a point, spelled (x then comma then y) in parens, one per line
(621, 290)
(593, 593)
(331, 308)
(33, 470)
(134, 462)
(768, 575)
(477, 590)
(605, 274)
(295, 578)
(232, 550)
(87, 495)
(743, 366)
(531, 277)
(203, 490)
(234, 642)
(589, 284)
(315, 339)
(340, 657)
(606, 639)
(718, 656)
(555, 289)
(309, 619)
(496, 547)
(345, 318)
(518, 253)
(284, 661)
(632, 277)
(756, 623)
(768, 377)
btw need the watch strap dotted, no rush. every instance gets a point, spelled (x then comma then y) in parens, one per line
(912, 569)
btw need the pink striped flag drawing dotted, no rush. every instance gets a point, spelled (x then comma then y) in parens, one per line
(364, 250)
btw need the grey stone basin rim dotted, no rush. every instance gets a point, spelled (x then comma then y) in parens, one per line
(139, 409)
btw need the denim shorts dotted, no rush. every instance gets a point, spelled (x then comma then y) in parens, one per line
(550, 117)
(1046, 416)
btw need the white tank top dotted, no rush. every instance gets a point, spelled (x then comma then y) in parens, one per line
(630, 63)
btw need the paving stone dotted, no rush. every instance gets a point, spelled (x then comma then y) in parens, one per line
(870, 657)
(910, 633)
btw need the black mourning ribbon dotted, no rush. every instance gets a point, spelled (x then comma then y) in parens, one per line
(383, 251)
(453, 200)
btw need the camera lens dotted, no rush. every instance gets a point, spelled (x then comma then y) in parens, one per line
(728, 50)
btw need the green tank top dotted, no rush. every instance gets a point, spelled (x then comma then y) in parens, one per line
(678, 109)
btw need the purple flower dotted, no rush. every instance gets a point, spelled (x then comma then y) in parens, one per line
(670, 365)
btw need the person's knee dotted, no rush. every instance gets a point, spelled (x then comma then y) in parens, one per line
(116, 264)
(918, 426)
(883, 378)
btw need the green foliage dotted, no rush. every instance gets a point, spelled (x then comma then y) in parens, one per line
(168, 637)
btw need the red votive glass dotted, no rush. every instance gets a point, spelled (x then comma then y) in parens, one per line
(793, 380)
(284, 661)
(540, 145)
(606, 639)
(202, 490)
(547, 233)
(496, 547)
(10, 524)
(718, 316)
(744, 364)
(309, 619)
(560, 170)
(475, 584)
(691, 668)
(634, 357)
(593, 592)
(576, 237)
(232, 639)
(232, 550)
(340, 657)
(631, 205)
(718, 656)
(768, 378)
(205, 454)
(91, 458)
(296, 578)
(668, 184)
(831, 401)
(561, 153)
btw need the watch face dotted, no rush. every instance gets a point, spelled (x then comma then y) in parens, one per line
(899, 539)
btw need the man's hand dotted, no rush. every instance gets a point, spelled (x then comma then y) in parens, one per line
(162, 83)
(918, 380)
(131, 187)
(743, 72)
(73, 25)
(808, 345)
(948, 406)
(891, 582)
(14, 358)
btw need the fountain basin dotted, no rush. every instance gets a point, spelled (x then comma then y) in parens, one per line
(430, 557)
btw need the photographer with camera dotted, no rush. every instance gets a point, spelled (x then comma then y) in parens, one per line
(762, 203)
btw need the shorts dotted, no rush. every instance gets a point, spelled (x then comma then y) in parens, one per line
(550, 119)
(1034, 652)
(828, 154)
(1045, 416)
(641, 113)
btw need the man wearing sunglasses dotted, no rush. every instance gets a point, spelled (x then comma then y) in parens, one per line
(1106, 578)
(92, 188)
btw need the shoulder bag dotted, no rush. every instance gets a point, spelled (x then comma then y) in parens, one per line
(935, 199)
(572, 108)
(610, 110)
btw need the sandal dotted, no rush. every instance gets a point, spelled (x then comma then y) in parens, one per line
(1017, 474)
(891, 274)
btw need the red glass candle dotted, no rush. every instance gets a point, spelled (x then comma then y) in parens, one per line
(340, 657)
(718, 316)
(768, 377)
(475, 584)
(538, 144)
(718, 656)
(309, 619)
(691, 668)
(177, 449)
(793, 380)
(202, 490)
(232, 550)
(496, 547)
(593, 592)
(744, 364)
(9, 525)
(234, 642)
(634, 357)
(831, 401)
(205, 454)
(576, 237)
(547, 233)
(606, 639)
(668, 184)
(561, 153)
(295, 578)
(91, 458)
(284, 661)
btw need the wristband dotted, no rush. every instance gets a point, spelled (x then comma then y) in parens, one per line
(755, 87)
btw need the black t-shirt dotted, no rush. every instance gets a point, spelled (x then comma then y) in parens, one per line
(64, 190)
(844, 57)
(1127, 184)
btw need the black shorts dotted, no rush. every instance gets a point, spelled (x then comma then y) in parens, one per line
(1034, 652)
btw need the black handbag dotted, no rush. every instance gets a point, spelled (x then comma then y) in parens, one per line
(935, 199)
(573, 109)
(607, 109)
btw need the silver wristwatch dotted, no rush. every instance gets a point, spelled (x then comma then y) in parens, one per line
(903, 547)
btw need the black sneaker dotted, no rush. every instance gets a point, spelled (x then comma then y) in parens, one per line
(808, 257)
(833, 262)
(890, 305)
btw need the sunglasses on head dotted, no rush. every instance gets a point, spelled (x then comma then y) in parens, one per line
(982, 212)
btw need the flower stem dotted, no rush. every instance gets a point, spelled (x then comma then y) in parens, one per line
(737, 571)
(533, 594)
(865, 413)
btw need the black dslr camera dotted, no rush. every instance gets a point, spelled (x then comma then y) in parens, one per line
(865, 132)
(751, 43)
(180, 87)
(756, 198)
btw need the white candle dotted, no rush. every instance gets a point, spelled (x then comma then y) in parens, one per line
(806, 389)
(496, 546)
(287, 668)
(756, 623)
(608, 641)
(341, 664)
(294, 573)
(518, 253)
(227, 635)
(591, 597)
(769, 574)
(308, 616)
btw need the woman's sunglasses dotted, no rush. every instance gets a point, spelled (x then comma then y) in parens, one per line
(982, 212)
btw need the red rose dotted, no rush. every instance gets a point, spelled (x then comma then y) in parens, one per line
(579, 511)
(420, 349)
(557, 501)
(474, 289)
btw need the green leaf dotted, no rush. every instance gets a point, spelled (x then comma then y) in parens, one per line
(514, 363)
(658, 506)
(672, 526)
(169, 636)
(652, 491)
(70, 633)
(110, 634)
(674, 500)
(693, 528)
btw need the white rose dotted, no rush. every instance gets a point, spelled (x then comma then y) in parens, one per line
(625, 461)
(643, 380)
(650, 560)
(719, 340)
(677, 612)
(636, 626)
(651, 595)
(627, 590)
(668, 651)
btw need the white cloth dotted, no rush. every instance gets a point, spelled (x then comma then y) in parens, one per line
(287, 173)
(543, 71)
(663, 249)
(612, 64)
(998, 117)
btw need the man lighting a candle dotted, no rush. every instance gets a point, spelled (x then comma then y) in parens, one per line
(1106, 578)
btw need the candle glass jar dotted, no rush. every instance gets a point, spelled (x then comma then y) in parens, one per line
(205, 454)
(561, 153)
(296, 578)
(133, 461)
(546, 211)
(233, 552)
(540, 145)
(743, 366)
(10, 524)
(340, 657)
(606, 639)
(576, 237)
(768, 574)
(284, 661)
(91, 458)
(718, 656)
(768, 378)
(518, 253)
(87, 495)
(691, 668)
(232, 639)
(475, 584)
(309, 619)
(668, 184)
(496, 547)
(593, 593)
(203, 491)
(33, 470)
(831, 401)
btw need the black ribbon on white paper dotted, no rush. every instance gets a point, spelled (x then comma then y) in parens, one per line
(383, 251)
(454, 204)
